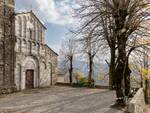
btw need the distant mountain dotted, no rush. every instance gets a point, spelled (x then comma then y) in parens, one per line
(100, 70)
(83, 66)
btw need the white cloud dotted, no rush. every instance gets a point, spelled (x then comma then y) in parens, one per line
(55, 47)
(51, 11)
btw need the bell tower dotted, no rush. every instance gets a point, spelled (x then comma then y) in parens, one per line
(7, 46)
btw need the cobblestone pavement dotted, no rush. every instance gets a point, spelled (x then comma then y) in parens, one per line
(59, 100)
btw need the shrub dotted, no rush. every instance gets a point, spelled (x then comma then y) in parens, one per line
(81, 79)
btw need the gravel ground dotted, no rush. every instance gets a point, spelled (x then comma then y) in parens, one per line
(59, 100)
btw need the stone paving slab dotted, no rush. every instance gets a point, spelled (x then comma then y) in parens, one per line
(59, 100)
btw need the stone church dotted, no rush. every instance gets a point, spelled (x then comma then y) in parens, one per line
(25, 60)
(35, 61)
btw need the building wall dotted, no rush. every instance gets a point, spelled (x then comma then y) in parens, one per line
(7, 44)
(51, 60)
(32, 52)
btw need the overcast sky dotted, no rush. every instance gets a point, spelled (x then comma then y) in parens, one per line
(55, 14)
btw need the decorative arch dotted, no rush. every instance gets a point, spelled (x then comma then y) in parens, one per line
(18, 45)
(30, 63)
(34, 31)
(24, 26)
(20, 25)
(31, 59)
(43, 65)
(24, 45)
(17, 26)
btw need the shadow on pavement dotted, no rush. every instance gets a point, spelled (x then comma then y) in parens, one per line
(120, 107)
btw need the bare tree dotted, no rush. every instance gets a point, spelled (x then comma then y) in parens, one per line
(119, 23)
(90, 47)
(68, 52)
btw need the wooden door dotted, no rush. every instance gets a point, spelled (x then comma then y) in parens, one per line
(29, 79)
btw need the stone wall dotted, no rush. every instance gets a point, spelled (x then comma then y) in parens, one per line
(51, 60)
(137, 104)
(30, 34)
(7, 46)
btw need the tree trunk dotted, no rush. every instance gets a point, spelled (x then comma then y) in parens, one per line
(147, 91)
(120, 18)
(127, 79)
(90, 69)
(112, 69)
(119, 74)
(71, 69)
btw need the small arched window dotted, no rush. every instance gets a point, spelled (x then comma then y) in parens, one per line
(44, 65)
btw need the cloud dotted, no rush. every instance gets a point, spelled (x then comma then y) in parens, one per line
(50, 11)
(55, 47)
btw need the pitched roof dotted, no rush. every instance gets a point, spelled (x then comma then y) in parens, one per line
(51, 50)
(31, 12)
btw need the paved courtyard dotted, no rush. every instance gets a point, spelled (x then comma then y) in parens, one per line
(59, 100)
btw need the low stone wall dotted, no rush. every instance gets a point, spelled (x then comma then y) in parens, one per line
(75, 85)
(137, 104)
(62, 84)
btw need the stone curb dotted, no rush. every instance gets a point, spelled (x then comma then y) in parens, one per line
(137, 104)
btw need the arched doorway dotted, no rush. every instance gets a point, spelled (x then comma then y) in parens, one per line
(30, 73)
(29, 82)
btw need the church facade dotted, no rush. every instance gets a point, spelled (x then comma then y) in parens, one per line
(25, 60)
(36, 62)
